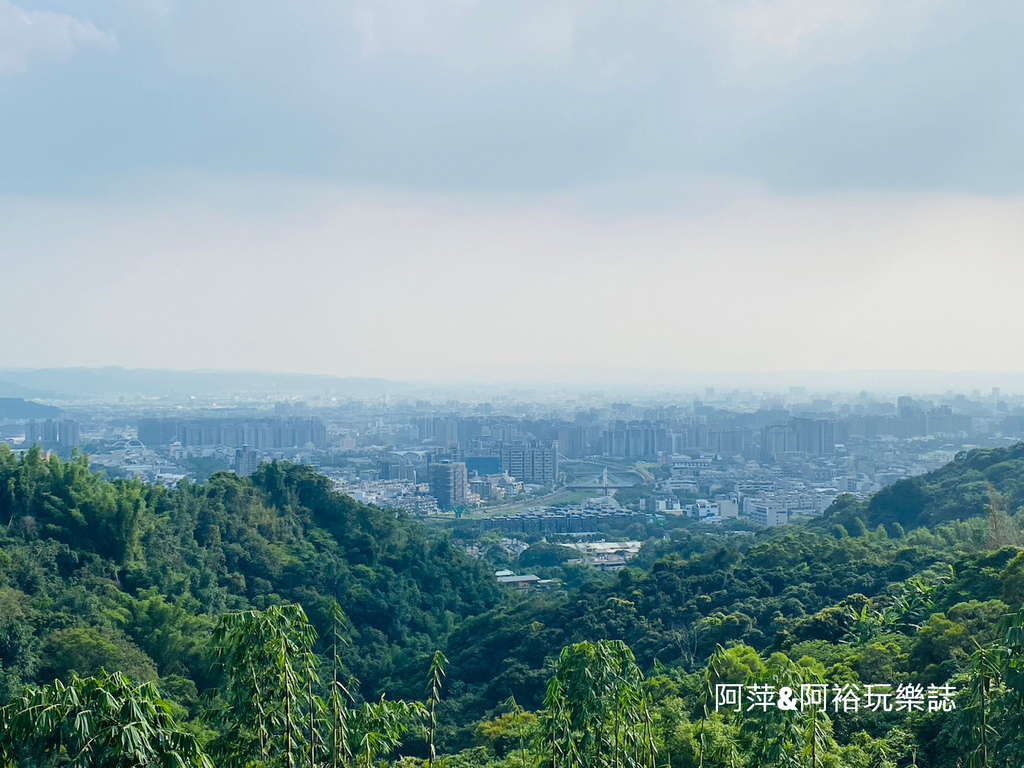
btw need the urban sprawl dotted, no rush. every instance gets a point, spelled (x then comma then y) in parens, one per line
(556, 466)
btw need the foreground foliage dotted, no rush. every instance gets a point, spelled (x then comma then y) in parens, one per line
(272, 622)
(104, 722)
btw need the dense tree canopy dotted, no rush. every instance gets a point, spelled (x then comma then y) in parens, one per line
(272, 621)
(134, 576)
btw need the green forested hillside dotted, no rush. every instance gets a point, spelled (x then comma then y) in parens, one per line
(204, 590)
(957, 491)
(131, 577)
(763, 594)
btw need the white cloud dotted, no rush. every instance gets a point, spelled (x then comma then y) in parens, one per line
(27, 37)
(833, 31)
(483, 34)
(469, 33)
(152, 7)
(785, 22)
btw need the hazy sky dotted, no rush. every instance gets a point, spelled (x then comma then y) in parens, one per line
(512, 190)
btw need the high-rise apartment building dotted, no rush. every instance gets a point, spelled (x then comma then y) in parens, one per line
(636, 440)
(449, 483)
(247, 461)
(52, 434)
(530, 462)
(67, 434)
(776, 440)
(158, 431)
(574, 441)
(46, 433)
(826, 436)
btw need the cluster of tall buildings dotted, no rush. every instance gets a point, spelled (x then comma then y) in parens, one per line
(813, 428)
(911, 420)
(813, 437)
(636, 440)
(768, 435)
(645, 439)
(256, 433)
(765, 434)
(495, 471)
(52, 433)
(467, 455)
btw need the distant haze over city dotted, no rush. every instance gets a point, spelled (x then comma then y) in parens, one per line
(460, 192)
(73, 383)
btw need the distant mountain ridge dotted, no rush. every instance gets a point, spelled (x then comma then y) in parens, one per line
(116, 381)
(17, 408)
(10, 389)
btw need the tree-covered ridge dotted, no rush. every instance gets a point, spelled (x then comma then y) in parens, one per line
(957, 491)
(788, 588)
(130, 576)
(102, 578)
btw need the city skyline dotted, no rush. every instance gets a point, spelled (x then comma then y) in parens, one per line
(75, 383)
(556, 464)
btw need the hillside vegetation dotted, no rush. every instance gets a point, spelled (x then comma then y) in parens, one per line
(958, 491)
(247, 620)
(131, 577)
